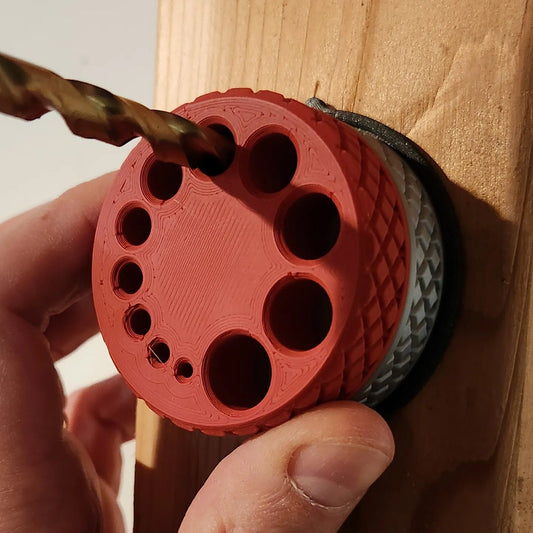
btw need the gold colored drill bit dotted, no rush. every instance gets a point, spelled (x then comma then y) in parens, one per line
(28, 91)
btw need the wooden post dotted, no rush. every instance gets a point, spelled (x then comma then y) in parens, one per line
(456, 77)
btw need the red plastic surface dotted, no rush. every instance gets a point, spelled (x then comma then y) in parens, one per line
(231, 302)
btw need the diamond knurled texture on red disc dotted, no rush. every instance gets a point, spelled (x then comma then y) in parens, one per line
(210, 311)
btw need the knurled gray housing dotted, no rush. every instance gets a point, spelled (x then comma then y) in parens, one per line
(425, 280)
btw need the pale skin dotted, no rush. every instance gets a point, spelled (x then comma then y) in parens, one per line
(55, 476)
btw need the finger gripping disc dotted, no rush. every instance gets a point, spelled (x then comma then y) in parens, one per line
(231, 299)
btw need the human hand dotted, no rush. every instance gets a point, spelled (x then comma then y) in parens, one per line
(305, 475)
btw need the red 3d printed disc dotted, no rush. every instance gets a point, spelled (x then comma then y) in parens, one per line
(232, 298)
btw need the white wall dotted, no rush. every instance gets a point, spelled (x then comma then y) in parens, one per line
(107, 42)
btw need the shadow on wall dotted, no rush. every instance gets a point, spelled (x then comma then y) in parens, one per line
(451, 466)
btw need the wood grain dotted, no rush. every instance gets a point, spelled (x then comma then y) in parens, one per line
(456, 77)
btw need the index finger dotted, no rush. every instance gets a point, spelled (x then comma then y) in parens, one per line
(46, 253)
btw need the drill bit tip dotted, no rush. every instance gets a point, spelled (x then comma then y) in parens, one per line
(28, 92)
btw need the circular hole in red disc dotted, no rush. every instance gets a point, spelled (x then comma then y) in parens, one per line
(211, 165)
(273, 161)
(128, 278)
(299, 313)
(158, 353)
(134, 226)
(162, 180)
(311, 226)
(138, 321)
(238, 371)
(184, 370)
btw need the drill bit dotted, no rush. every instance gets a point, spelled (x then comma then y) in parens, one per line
(28, 91)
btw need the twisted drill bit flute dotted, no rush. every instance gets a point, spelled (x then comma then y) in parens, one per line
(28, 92)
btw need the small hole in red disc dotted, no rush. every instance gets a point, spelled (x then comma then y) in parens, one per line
(138, 321)
(184, 370)
(128, 278)
(134, 226)
(158, 353)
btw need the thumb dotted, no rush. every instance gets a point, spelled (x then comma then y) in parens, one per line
(305, 475)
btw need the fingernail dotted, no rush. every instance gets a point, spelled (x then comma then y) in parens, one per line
(335, 475)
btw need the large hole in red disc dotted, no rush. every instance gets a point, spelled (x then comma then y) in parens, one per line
(311, 226)
(238, 371)
(299, 313)
(273, 161)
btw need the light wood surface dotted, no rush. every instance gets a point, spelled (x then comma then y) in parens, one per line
(456, 77)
